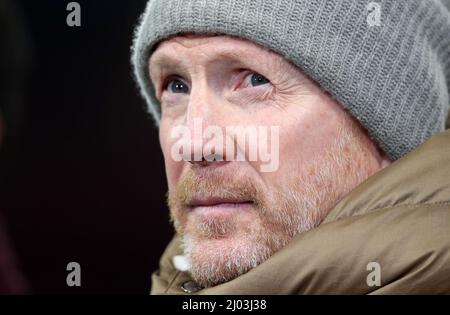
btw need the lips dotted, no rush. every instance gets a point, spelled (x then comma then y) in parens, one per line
(219, 207)
(217, 201)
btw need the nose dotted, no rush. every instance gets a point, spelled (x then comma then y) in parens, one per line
(206, 119)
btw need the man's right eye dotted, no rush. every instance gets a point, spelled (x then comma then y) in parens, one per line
(177, 86)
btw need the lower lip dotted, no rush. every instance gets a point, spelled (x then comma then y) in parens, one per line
(223, 209)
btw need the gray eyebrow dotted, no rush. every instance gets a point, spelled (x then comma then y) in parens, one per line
(161, 63)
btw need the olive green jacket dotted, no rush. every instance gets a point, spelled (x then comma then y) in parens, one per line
(399, 219)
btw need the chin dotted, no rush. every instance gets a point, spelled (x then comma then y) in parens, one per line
(217, 260)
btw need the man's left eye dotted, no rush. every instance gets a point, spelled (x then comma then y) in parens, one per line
(255, 79)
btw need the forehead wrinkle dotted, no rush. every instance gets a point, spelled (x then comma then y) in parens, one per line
(236, 50)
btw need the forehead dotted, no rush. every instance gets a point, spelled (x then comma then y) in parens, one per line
(208, 47)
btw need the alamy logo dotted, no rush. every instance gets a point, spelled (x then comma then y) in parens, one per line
(374, 14)
(374, 277)
(231, 143)
(73, 279)
(74, 17)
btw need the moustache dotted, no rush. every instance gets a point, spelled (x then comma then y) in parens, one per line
(213, 184)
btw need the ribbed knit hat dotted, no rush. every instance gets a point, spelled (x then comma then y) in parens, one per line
(386, 61)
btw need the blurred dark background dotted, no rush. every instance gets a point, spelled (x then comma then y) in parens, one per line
(81, 173)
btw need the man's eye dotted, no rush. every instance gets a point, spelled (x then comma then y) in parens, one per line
(255, 79)
(177, 86)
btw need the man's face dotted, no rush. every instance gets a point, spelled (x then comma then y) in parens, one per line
(230, 214)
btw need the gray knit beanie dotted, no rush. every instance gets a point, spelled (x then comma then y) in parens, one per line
(386, 61)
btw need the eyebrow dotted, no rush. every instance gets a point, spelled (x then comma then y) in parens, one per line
(161, 62)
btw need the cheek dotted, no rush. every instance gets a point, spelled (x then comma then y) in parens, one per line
(173, 168)
(305, 134)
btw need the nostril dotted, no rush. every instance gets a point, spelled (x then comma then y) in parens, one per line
(190, 160)
(208, 161)
(214, 157)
